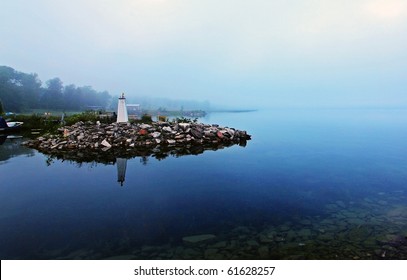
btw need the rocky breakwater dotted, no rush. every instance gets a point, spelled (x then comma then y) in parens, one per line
(90, 140)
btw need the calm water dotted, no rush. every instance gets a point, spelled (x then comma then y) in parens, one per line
(311, 184)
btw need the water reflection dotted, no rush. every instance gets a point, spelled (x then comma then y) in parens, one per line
(119, 157)
(10, 146)
(319, 190)
(121, 164)
(159, 152)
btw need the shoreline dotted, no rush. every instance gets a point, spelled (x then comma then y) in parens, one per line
(88, 140)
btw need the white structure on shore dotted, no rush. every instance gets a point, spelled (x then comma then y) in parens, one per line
(122, 116)
(133, 109)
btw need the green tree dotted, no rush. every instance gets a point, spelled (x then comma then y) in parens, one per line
(91, 97)
(10, 89)
(20, 91)
(114, 103)
(31, 89)
(72, 98)
(52, 97)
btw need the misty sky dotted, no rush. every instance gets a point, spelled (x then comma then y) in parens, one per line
(257, 53)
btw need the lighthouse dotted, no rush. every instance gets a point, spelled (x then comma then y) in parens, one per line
(122, 116)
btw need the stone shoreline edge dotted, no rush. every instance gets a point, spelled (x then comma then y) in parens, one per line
(90, 140)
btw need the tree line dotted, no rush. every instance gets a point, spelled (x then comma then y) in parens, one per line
(21, 92)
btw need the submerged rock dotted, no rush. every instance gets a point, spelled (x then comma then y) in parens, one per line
(198, 238)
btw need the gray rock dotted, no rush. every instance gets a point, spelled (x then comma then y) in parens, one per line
(167, 129)
(263, 251)
(103, 137)
(198, 238)
(264, 239)
(211, 253)
(145, 126)
(155, 134)
(197, 133)
(253, 243)
(122, 257)
(184, 126)
(221, 244)
(106, 144)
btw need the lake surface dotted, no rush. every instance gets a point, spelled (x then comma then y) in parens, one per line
(311, 184)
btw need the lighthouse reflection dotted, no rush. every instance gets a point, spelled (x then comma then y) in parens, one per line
(121, 164)
(117, 157)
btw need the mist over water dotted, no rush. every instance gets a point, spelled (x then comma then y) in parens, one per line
(233, 53)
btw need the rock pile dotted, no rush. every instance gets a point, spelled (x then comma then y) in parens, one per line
(126, 136)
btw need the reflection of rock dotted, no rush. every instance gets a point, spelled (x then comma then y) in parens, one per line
(121, 170)
(109, 156)
(104, 143)
(3, 139)
(11, 147)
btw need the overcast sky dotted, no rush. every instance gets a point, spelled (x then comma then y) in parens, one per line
(252, 53)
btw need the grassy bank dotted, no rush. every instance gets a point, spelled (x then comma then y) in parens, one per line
(41, 122)
(37, 124)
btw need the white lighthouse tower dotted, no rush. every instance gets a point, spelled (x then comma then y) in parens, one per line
(122, 116)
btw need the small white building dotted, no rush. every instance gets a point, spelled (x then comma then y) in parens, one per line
(133, 109)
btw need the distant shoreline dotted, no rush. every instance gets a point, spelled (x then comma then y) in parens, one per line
(233, 111)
